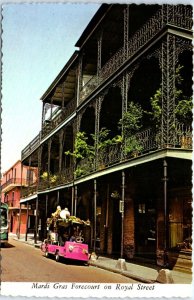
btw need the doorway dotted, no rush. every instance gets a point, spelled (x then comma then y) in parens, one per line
(145, 228)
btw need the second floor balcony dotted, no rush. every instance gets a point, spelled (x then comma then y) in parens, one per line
(12, 183)
(145, 142)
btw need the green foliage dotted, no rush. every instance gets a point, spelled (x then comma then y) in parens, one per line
(132, 145)
(156, 104)
(81, 149)
(183, 111)
(130, 124)
(131, 121)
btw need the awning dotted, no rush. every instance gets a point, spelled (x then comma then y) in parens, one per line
(32, 197)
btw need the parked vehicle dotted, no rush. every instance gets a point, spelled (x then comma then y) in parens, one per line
(66, 237)
(4, 223)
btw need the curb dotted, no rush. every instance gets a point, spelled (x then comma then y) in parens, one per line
(124, 273)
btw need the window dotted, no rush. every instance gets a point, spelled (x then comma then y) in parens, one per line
(141, 209)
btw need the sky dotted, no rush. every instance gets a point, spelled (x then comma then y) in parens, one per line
(37, 41)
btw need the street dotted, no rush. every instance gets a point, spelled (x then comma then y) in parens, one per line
(21, 262)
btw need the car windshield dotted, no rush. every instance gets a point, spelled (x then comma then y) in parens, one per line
(3, 217)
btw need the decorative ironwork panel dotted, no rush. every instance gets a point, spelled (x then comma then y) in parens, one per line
(58, 117)
(168, 65)
(99, 52)
(178, 15)
(32, 146)
(126, 31)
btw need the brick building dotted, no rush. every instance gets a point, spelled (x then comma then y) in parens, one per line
(13, 180)
(115, 144)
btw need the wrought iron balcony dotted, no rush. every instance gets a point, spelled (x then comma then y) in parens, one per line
(58, 118)
(148, 140)
(175, 15)
(58, 179)
(29, 190)
(31, 147)
(13, 182)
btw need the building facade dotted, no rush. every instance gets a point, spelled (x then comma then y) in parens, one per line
(115, 145)
(12, 183)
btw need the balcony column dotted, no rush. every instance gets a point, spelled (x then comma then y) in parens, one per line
(94, 229)
(79, 79)
(122, 211)
(19, 225)
(126, 32)
(29, 173)
(49, 156)
(63, 95)
(168, 66)
(99, 55)
(165, 179)
(36, 222)
(72, 200)
(75, 195)
(39, 163)
(61, 136)
(97, 128)
(27, 215)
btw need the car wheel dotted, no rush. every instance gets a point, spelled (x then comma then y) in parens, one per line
(57, 257)
(46, 254)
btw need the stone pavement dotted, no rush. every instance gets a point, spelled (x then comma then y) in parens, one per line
(138, 271)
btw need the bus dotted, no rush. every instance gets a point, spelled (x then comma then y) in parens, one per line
(3, 223)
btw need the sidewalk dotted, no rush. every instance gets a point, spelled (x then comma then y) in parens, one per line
(139, 272)
(145, 274)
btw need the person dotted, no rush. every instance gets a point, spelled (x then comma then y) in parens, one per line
(73, 237)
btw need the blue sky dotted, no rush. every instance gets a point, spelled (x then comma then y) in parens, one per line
(38, 39)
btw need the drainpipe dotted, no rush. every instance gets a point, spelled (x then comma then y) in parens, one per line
(94, 215)
(26, 236)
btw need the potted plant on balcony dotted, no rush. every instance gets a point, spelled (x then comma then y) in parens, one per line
(130, 125)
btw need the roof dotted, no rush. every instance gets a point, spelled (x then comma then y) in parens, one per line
(93, 24)
(60, 75)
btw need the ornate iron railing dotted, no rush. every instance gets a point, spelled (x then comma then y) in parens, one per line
(32, 146)
(30, 190)
(176, 15)
(148, 140)
(183, 136)
(63, 114)
(58, 179)
(14, 182)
